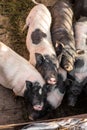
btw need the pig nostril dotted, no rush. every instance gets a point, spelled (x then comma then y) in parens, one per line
(38, 107)
(52, 81)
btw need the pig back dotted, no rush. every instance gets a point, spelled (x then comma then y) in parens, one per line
(62, 32)
(81, 34)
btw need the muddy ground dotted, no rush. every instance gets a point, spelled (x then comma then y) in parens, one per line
(12, 19)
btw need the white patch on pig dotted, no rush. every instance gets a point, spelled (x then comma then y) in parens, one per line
(55, 98)
(40, 91)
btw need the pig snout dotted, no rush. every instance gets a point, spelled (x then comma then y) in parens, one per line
(52, 80)
(38, 107)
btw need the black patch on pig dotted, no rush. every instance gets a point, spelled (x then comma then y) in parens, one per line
(37, 36)
(73, 93)
(59, 49)
(80, 8)
(79, 63)
(47, 66)
(61, 84)
(32, 94)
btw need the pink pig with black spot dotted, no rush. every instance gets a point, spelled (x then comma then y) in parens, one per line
(18, 74)
(39, 44)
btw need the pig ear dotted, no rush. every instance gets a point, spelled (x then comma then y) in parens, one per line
(59, 47)
(39, 58)
(29, 84)
(79, 52)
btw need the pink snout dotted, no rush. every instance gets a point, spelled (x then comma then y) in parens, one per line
(38, 107)
(52, 81)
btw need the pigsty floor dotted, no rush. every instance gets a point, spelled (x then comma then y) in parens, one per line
(13, 109)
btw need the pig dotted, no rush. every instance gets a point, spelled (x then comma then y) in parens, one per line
(62, 34)
(18, 74)
(79, 73)
(80, 8)
(39, 43)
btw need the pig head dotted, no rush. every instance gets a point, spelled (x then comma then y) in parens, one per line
(35, 95)
(47, 66)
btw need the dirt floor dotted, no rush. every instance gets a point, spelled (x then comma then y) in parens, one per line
(13, 109)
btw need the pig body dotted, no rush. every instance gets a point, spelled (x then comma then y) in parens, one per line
(19, 75)
(79, 73)
(80, 8)
(62, 33)
(39, 44)
(55, 96)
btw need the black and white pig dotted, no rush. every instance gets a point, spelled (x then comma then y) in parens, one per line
(39, 44)
(62, 33)
(80, 8)
(79, 73)
(18, 74)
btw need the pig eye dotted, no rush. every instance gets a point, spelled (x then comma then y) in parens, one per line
(40, 91)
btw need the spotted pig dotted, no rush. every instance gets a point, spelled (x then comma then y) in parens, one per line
(39, 44)
(19, 75)
(79, 73)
